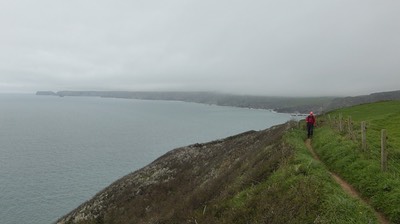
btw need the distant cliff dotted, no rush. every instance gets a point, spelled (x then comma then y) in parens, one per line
(357, 100)
(279, 104)
(46, 93)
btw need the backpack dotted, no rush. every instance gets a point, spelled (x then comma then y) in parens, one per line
(310, 119)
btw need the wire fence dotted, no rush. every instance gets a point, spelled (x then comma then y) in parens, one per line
(374, 140)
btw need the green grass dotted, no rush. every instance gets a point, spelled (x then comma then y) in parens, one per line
(337, 206)
(378, 116)
(300, 191)
(362, 169)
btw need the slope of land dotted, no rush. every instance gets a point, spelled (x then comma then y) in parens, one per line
(181, 186)
(357, 100)
(256, 177)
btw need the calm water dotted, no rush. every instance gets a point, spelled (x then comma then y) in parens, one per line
(56, 153)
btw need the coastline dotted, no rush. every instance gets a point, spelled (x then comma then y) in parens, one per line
(293, 105)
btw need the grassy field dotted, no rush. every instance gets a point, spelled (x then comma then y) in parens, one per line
(300, 191)
(343, 155)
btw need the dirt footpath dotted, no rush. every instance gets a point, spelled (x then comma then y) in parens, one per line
(347, 187)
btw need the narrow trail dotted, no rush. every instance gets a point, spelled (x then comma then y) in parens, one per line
(346, 186)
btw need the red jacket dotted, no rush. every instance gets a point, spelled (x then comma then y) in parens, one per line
(310, 119)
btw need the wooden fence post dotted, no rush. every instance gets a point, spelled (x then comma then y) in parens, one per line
(384, 153)
(363, 137)
(340, 123)
(351, 129)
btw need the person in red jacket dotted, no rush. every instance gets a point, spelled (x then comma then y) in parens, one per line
(310, 124)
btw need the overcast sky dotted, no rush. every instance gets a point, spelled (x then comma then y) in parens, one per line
(263, 47)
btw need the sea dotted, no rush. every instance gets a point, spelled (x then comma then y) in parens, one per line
(58, 152)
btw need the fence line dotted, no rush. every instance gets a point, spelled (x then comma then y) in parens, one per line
(386, 162)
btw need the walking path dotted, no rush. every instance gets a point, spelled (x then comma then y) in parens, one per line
(346, 186)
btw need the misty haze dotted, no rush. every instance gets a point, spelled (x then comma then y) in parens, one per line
(274, 48)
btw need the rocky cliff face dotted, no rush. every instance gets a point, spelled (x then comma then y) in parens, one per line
(184, 184)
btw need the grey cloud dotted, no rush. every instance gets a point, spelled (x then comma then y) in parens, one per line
(259, 47)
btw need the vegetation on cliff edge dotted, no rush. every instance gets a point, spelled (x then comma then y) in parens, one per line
(256, 177)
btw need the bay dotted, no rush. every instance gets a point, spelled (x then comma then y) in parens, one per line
(57, 152)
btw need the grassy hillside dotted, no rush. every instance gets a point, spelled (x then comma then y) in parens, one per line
(301, 190)
(342, 152)
(256, 177)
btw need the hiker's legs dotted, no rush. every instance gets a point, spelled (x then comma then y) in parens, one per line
(309, 130)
